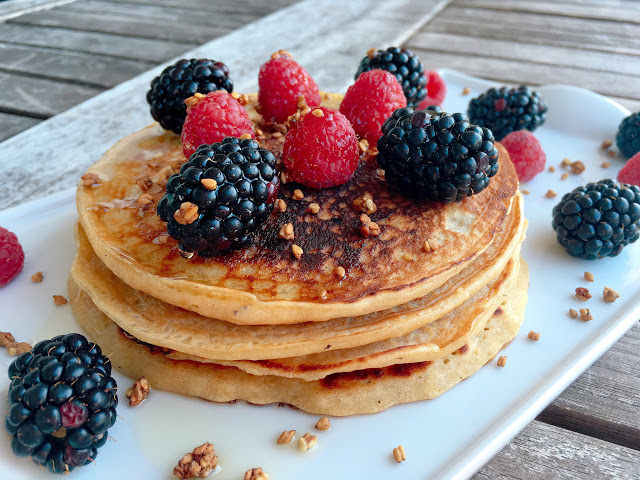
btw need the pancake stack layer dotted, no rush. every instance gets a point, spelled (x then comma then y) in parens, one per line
(422, 306)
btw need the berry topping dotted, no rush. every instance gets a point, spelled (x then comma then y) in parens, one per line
(59, 425)
(598, 220)
(526, 154)
(180, 81)
(211, 118)
(437, 156)
(630, 173)
(321, 150)
(436, 90)
(11, 256)
(628, 136)
(220, 197)
(281, 82)
(506, 110)
(402, 63)
(370, 101)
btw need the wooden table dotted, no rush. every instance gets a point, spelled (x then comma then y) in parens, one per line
(56, 56)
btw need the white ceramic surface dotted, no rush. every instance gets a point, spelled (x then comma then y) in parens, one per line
(449, 437)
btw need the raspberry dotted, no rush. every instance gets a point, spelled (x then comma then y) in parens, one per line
(436, 90)
(280, 83)
(321, 151)
(11, 256)
(526, 154)
(211, 118)
(630, 173)
(370, 101)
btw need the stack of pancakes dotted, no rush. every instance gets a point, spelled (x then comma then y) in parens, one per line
(422, 306)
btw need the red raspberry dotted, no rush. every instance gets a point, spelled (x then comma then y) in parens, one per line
(11, 256)
(280, 83)
(370, 101)
(212, 118)
(321, 151)
(436, 90)
(630, 173)
(526, 154)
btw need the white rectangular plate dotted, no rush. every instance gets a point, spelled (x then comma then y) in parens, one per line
(449, 437)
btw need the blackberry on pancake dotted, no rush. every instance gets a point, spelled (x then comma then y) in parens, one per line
(62, 401)
(220, 197)
(436, 156)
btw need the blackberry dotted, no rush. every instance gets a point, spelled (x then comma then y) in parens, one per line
(233, 184)
(506, 110)
(406, 67)
(62, 401)
(598, 220)
(180, 81)
(628, 136)
(436, 156)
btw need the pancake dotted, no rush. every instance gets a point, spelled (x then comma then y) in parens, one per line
(364, 391)
(162, 324)
(264, 283)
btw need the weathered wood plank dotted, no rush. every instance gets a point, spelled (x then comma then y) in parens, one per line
(12, 124)
(628, 12)
(512, 71)
(93, 70)
(259, 7)
(20, 7)
(38, 97)
(536, 54)
(633, 105)
(604, 402)
(121, 25)
(117, 46)
(545, 451)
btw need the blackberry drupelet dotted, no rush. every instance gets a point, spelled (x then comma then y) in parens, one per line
(62, 401)
(598, 220)
(233, 184)
(180, 81)
(628, 136)
(437, 156)
(406, 67)
(506, 110)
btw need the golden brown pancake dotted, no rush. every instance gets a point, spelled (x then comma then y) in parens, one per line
(165, 325)
(363, 391)
(264, 283)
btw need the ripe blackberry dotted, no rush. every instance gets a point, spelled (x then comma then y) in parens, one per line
(405, 65)
(506, 110)
(180, 81)
(220, 197)
(598, 220)
(62, 401)
(435, 155)
(628, 136)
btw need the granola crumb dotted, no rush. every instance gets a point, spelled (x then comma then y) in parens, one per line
(426, 246)
(502, 360)
(323, 293)
(255, 474)
(314, 208)
(297, 194)
(583, 294)
(605, 144)
(18, 348)
(368, 227)
(466, 91)
(585, 314)
(144, 182)
(550, 194)
(573, 313)
(577, 167)
(59, 300)
(605, 165)
(281, 206)
(365, 204)
(306, 442)
(144, 199)
(363, 145)
(37, 277)
(139, 392)
(90, 179)
(6, 339)
(244, 136)
(588, 276)
(297, 251)
(286, 436)
(525, 192)
(610, 295)
(340, 272)
(565, 162)
(199, 463)
(535, 336)
(564, 176)
(323, 424)
(408, 257)
(316, 112)
(371, 53)
(286, 232)
(552, 169)
(209, 183)
(611, 153)
(186, 214)
(399, 455)
(283, 178)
